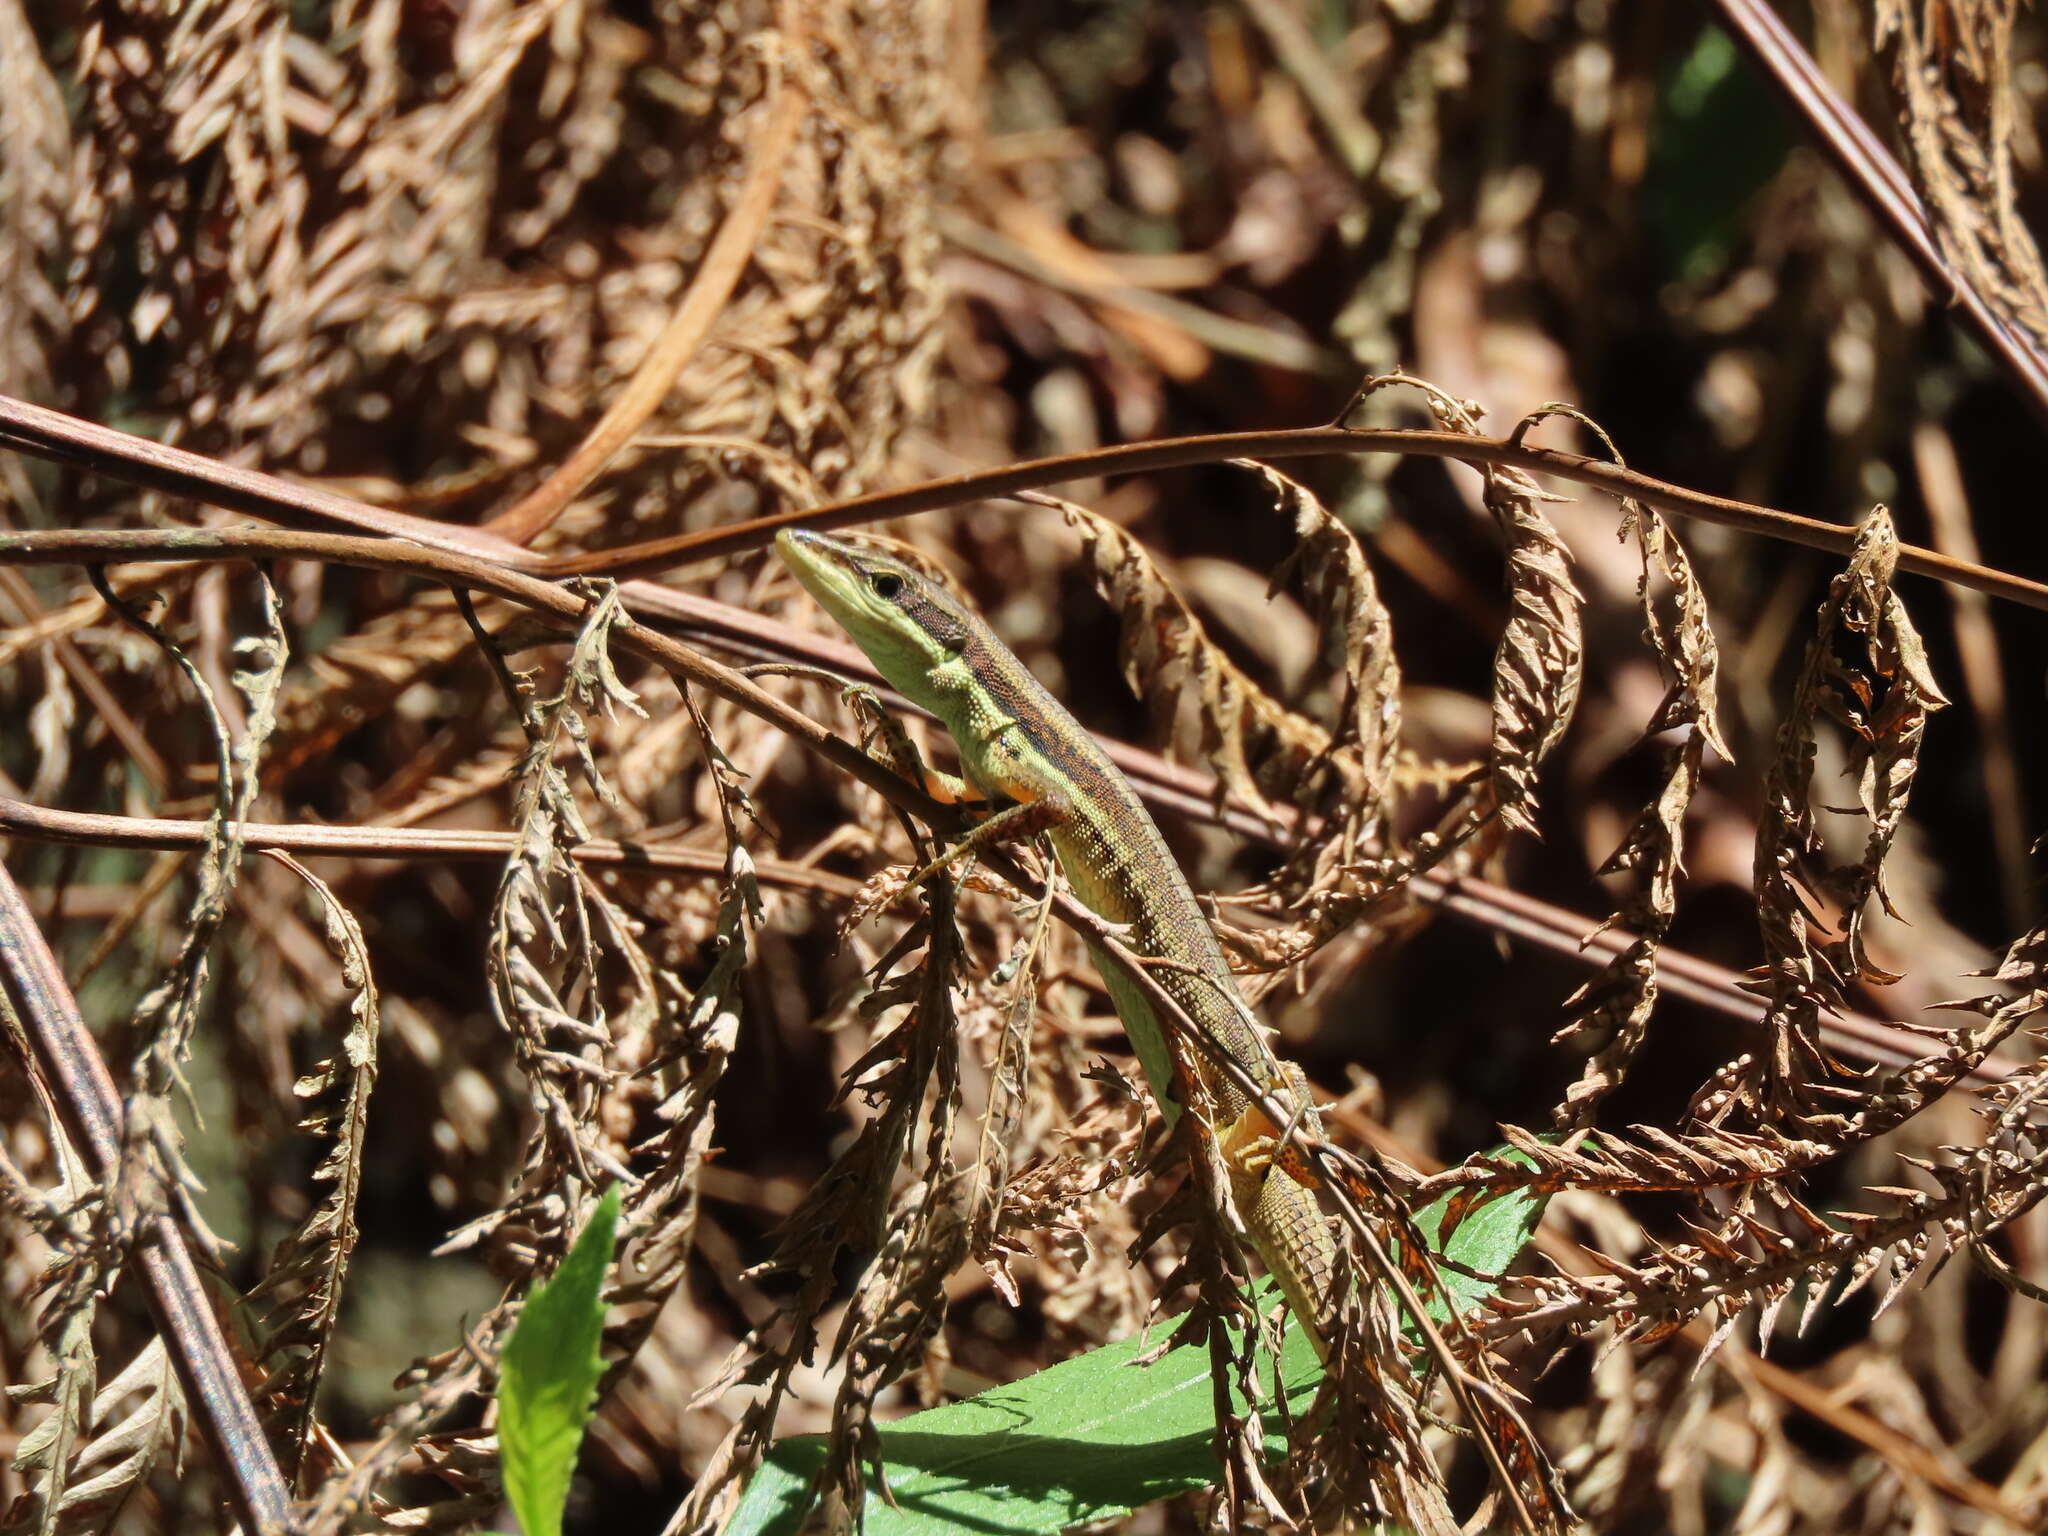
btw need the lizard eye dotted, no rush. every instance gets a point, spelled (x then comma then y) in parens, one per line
(886, 584)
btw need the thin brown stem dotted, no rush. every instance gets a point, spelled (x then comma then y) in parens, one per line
(1293, 443)
(18, 818)
(66, 440)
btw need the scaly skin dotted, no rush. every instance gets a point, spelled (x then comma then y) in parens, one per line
(1019, 742)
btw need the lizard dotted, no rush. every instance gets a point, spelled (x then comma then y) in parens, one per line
(1018, 743)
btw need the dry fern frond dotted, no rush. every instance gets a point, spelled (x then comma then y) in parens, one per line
(541, 913)
(1368, 1432)
(1865, 669)
(910, 1074)
(47, 1456)
(132, 1426)
(1953, 81)
(303, 1285)
(153, 1170)
(1331, 566)
(691, 1046)
(1754, 1262)
(1647, 1158)
(1641, 1159)
(1614, 1007)
(899, 1304)
(1258, 746)
(1537, 673)
(551, 933)
(1539, 664)
(164, 1018)
(678, 1051)
(2015, 1136)
(1008, 1080)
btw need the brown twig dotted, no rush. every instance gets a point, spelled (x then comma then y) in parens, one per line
(83, 1091)
(18, 818)
(1293, 443)
(101, 450)
(706, 298)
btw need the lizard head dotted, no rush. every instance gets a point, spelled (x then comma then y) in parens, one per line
(909, 626)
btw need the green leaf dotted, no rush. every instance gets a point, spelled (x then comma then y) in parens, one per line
(548, 1377)
(1490, 1237)
(1091, 1438)
(1088, 1439)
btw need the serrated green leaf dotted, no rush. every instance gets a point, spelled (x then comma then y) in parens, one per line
(1091, 1438)
(548, 1377)
(1490, 1237)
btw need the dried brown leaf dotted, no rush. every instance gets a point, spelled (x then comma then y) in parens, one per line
(1866, 670)
(1258, 746)
(304, 1284)
(1613, 1008)
(116, 1450)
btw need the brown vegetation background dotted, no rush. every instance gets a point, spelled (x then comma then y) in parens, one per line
(413, 251)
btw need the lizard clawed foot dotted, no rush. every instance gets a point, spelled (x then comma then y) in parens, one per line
(1252, 1144)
